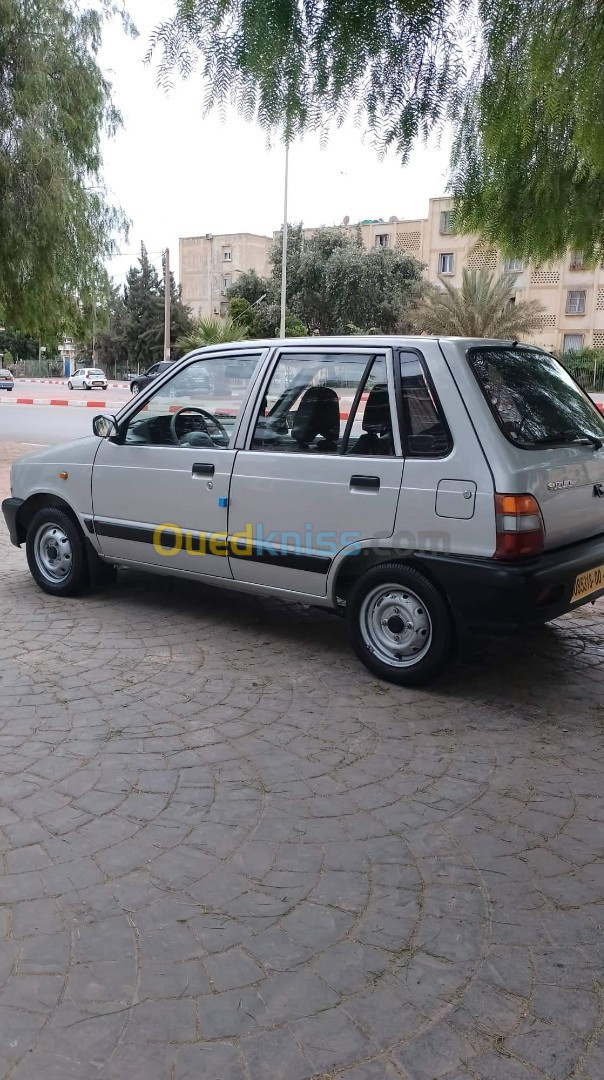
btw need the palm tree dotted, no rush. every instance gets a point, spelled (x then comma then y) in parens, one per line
(483, 307)
(212, 332)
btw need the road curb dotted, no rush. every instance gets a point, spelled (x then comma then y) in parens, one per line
(64, 402)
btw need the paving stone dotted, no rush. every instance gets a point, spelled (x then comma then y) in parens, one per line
(209, 1061)
(218, 826)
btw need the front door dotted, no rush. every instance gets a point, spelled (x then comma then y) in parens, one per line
(160, 494)
(321, 470)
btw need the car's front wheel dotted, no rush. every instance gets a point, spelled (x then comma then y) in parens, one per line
(399, 624)
(55, 553)
(70, 385)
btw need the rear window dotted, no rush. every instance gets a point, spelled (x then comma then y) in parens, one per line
(534, 399)
(4, 371)
(95, 371)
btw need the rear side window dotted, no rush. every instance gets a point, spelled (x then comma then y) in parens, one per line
(424, 430)
(533, 398)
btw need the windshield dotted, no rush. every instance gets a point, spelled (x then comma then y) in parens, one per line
(534, 399)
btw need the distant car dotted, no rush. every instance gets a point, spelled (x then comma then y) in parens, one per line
(141, 381)
(86, 378)
(6, 380)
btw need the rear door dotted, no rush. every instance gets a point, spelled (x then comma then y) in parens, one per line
(321, 469)
(547, 430)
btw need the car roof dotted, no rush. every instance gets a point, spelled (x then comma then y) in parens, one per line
(363, 341)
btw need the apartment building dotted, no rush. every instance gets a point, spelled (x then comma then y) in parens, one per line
(572, 294)
(210, 264)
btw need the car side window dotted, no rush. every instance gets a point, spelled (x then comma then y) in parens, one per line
(424, 428)
(197, 407)
(321, 403)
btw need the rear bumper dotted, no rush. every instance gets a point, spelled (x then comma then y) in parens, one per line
(10, 509)
(488, 594)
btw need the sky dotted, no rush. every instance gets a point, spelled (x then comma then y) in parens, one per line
(176, 172)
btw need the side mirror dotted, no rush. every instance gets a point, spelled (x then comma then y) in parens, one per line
(105, 427)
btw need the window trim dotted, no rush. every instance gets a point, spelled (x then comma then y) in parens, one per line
(513, 269)
(446, 216)
(255, 398)
(139, 400)
(495, 413)
(446, 255)
(402, 407)
(580, 346)
(567, 310)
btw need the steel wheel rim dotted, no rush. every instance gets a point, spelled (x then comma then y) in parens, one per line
(395, 625)
(53, 553)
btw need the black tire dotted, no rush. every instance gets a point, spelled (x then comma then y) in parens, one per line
(414, 641)
(70, 386)
(55, 553)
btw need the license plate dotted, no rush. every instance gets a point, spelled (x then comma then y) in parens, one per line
(587, 582)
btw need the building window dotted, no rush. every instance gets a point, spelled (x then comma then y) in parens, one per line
(224, 309)
(382, 239)
(446, 222)
(226, 281)
(226, 254)
(446, 263)
(576, 260)
(572, 343)
(575, 302)
(513, 265)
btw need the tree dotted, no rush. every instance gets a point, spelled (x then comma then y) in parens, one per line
(56, 225)
(212, 332)
(333, 284)
(527, 102)
(483, 307)
(131, 332)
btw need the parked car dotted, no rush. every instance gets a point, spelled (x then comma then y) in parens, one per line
(424, 489)
(141, 381)
(6, 380)
(86, 378)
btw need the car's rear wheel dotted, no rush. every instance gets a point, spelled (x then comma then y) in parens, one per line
(399, 624)
(55, 553)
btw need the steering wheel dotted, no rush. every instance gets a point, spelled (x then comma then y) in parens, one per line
(205, 415)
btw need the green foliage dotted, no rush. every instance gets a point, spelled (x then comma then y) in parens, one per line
(134, 335)
(481, 308)
(56, 226)
(521, 81)
(297, 65)
(19, 346)
(586, 366)
(529, 155)
(333, 282)
(212, 332)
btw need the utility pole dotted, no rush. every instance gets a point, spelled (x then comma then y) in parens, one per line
(167, 299)
(284, 249)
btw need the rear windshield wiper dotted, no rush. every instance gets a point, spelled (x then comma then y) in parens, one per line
(570, 437)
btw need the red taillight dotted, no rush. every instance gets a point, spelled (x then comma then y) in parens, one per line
(520, 530)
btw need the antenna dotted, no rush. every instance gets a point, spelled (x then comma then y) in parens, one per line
(346, 220)
(393, 219)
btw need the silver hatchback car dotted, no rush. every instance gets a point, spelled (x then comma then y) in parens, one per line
(422, 488)
(88, 379)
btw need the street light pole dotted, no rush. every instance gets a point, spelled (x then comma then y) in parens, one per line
(167, 299)
(284, 249)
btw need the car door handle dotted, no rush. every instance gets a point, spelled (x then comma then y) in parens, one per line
(202, 469)
(370, 483)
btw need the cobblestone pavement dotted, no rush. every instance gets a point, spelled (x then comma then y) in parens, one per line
(230, 853)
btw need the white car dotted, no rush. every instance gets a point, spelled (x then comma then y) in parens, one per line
(423, 488)
(87, 378)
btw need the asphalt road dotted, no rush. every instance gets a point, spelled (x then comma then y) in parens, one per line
(43, 424)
